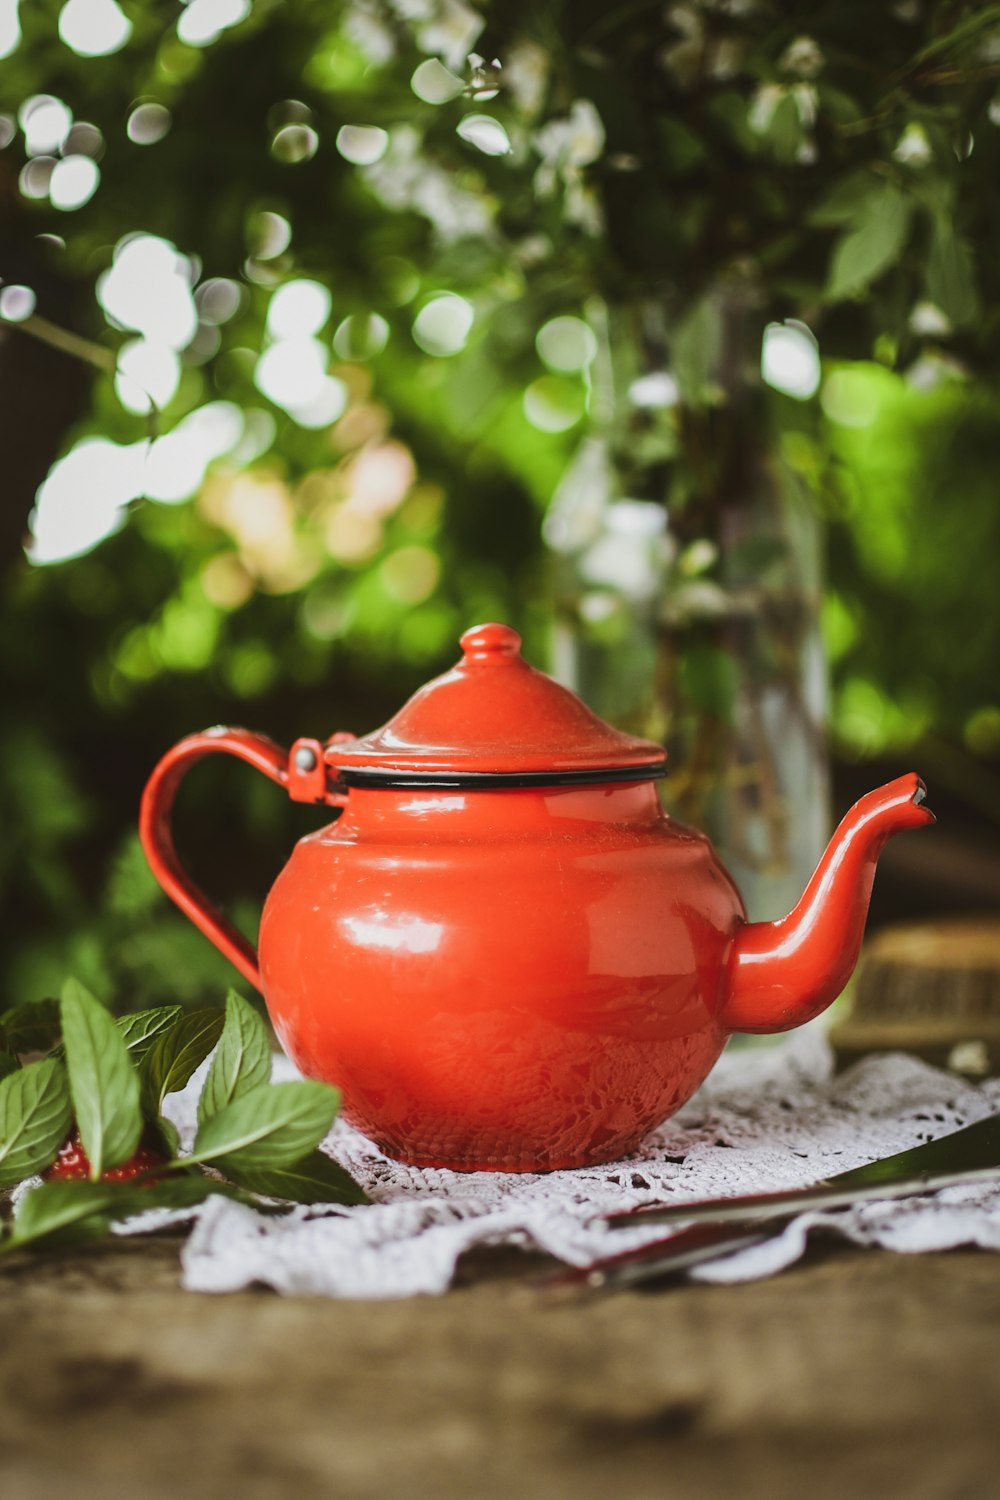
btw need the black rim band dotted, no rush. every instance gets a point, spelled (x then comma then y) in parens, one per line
(488, 781)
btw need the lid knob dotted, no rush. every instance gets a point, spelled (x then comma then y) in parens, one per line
(490, 643)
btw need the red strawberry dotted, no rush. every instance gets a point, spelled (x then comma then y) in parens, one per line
(72, 1163)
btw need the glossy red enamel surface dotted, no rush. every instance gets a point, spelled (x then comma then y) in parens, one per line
(524, 978)
(494, 714)
(517, 979)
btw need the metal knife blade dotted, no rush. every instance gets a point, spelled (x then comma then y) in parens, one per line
(968, 1155)
(719, 1227)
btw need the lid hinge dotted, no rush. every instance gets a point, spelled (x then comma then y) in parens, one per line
(309, 777)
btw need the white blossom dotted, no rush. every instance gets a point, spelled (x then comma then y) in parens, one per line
(526, 76)
(369, 34)
(404, 178)
(932, 370)
(725, 57)
(583, 208)
(763, 105)
(450, 32)
(914, 148)
(802, 57)
(567, 145)
(928, 319)
(807, 103)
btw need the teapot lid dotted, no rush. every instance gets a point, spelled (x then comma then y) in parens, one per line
(493, 720)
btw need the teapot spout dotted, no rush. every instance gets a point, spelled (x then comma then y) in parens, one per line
(784, 973)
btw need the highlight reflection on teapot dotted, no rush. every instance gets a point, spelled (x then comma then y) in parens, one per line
(503, 951)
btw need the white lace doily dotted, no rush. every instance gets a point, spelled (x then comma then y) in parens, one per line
(769, 1118)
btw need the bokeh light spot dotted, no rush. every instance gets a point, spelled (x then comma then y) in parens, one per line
(84, 139)
(351, 535)
(225, 581)
(789, 359)
(148, 376)
(566, 344)
(178, 461)
(434, 84)
(46, 123)
(323, 409)
(270, 235)
(94, 28)
(147, 288)
(362, 144)
(83, 498)
(361, 336)
(442, 326)
(218, 300)
(485, 133)
(294, 143)
(553, 404)
(148, 123)
(204, 21)
(259, 432)
(381, 477)
(16, 303)
(10, 28)
(325, 613)
(656, 391)
(292, 372)
(982, 731)
(410, 574)
(850, 398)
(36, 176)
(297, 309)
(74, 182)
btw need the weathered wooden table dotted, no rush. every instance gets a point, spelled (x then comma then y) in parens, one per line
(856, 1374)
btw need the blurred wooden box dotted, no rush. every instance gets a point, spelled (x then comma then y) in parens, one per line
(932, 989)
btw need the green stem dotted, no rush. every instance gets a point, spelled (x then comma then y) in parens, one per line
(68, 343)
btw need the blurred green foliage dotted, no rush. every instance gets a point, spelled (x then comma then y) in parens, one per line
(303, 566)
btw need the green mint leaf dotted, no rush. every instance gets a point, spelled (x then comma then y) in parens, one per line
(35, 1117)
(102, 1080)
(845, 198)
(874, 242)
(141, 1029)
(242, 1061)
(312, 1179)
(89, 1207)
(176, 1053)
(165, 1133)
(8, 1064)
(64, 1210)
(180, 1190)
(273, 1125)
(56, 1206)
(951, 279)
(33, 1026)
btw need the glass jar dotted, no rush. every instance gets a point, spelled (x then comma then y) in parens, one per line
(687, 581)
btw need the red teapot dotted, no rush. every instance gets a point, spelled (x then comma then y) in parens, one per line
(503, 951)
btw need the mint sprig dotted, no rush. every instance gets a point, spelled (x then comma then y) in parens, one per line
(256, 1140)
(102, 1081)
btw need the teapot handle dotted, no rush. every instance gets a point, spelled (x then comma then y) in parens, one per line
(301, 772)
